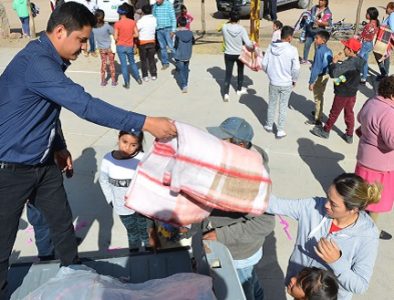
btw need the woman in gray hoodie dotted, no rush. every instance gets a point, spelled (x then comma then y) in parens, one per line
(235, 36)
(335, 233)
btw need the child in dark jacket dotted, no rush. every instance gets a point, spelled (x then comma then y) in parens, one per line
(319, 74)
(346, 74)
(183, 52)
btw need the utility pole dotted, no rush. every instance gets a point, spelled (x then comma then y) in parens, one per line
(203, 23)
(255, 20)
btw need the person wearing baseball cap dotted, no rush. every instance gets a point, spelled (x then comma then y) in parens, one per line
(243, 234)
(347, 66)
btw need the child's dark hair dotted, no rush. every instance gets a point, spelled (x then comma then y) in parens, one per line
(147, 9)
(234, 16)
(126, 10)
(286, 32)
(318, 284)
(278, 24)
(99, 14)
(182, 21)
(183, 7)
(324, 34)
(386, 87)
(373, 14)
(139, 136)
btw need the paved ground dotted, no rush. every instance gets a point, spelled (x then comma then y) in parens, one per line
(301, 164)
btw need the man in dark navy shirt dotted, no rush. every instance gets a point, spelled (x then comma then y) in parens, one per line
(33, 90)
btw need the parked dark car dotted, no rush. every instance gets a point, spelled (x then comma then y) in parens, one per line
(225, 6)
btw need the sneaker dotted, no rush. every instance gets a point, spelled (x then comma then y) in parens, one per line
(94, 54)
(319, 131)
(146, 79)
(139, 81)
(85, 53)
(153, 77)
(114, 83)
(348, 138)
(226, 97)
(280, 134)
(314, 122)
(268, 128)
(173, 71)
(363, 81)
(103, 83)
(384, 235)
(126, 85)
(241, 92)
(165, 67)
(184, 90)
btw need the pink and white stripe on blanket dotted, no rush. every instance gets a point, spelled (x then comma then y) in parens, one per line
(195, 172)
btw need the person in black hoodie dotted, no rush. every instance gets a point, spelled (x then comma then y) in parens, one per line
(183, 52)
(346, 74)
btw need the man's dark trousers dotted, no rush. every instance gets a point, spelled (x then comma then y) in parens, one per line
(44, 185)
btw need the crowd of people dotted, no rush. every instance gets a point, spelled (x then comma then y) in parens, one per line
(337, 238)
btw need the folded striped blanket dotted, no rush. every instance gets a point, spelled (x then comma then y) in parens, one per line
(384, 43)
(181, 180)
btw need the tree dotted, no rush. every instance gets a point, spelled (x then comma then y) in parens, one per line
(203, 23)
(360, 4)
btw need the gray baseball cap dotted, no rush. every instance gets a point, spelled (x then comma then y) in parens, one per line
(233, 127)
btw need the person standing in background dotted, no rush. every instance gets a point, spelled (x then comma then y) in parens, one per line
(20, 6)
(91, 5)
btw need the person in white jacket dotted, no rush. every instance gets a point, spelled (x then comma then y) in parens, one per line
(147, 30)
(281, 63)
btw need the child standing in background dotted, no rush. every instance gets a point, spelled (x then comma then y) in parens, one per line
(147, 42)
(367, 37)
(276, 30)
(116, 172)
(319, 74)
(183, 52)
(189, 18)
(102, 35)
(20, 6)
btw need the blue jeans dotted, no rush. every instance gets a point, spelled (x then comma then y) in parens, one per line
(127, 53)
(250, 283)
(92, 43)
(309, 38)
(41, 231)
(364, 53)
(183, 70)
(164, 39)
(25, 25)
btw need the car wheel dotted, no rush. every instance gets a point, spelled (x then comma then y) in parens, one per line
(303, 3)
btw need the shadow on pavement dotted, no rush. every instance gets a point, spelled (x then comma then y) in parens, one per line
(87, 201)
(269, 271)
(323, 163)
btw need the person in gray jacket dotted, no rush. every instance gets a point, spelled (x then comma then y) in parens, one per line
(335, 233)
(243, 234)
(235, 36)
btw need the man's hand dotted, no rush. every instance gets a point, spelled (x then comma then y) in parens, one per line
(64, 161)
(172, 34)
(210, 235)
(311, 86)
(161, 128)
(328, 250)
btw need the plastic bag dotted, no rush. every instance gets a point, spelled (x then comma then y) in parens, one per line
(80, 282)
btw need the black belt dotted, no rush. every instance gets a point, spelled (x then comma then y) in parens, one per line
(16, 166)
